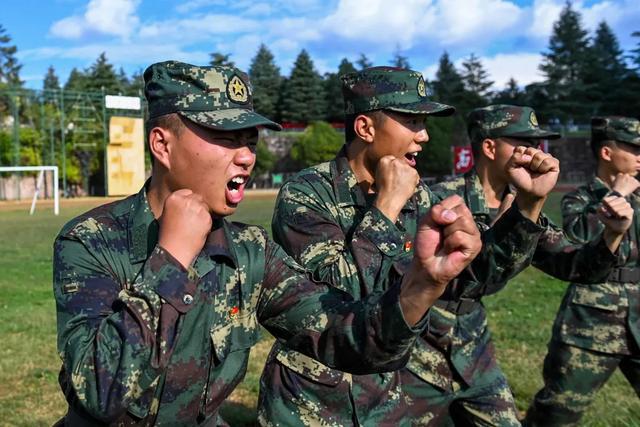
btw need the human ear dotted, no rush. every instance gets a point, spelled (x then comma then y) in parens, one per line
(364, 128)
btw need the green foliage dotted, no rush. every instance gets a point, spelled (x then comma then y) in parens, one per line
(319, 143)
(510, 95)
(101, 76)
(76, 81)
(435, 157)
(399, 60)
(30, 148)
(9, 66)
(265, 159)
(51, 81)
(476, 81)
(363, 62)
(448, 85)
(303, 93)
(220, 59)
(333, 91)
(265, 79)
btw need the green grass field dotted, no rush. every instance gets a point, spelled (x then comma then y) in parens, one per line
(520, 317)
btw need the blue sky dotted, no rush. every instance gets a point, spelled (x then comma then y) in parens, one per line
(508, 36)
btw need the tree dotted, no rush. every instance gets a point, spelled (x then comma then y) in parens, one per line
(136, 84)
(363, 62)
(333, 91)
(563, 66)
(76, 81)
(265, 159)
(102, 76)
(266, 80)
(603, 73)
(303, 95)
(448, 85)
(435, 157)
(476, 80)
(51, 81)
(9, 67)
(220, 59)
(319, 143)
(510, 95)
(636, 52)
(399, 60)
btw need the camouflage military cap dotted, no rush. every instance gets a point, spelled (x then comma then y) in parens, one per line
(510, 121)
(623, 129)
(213, 96)
(389, 88)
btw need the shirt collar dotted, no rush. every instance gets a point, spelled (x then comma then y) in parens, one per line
(144, 228)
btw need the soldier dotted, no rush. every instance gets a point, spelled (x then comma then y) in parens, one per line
(597, 328)
(496, 132)
(159, 299)
(354, 218)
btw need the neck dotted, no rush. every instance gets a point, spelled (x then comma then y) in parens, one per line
(492, 185)
(607, 176)
(157, 194)
(356, 154)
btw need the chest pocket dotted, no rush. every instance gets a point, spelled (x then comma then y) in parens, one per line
(602, 297)
(235, 326)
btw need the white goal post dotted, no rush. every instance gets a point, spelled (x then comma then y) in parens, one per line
(42, 170)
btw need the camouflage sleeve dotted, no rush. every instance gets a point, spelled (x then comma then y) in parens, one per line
(307, 228)
(507, 249)
(325, 323)
(565, 260)
(579, 216)
(115, 338)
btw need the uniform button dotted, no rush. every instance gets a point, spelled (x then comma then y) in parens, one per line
(187, 299)
(392, 245)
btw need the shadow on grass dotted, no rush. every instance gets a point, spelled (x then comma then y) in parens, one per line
(238, 415)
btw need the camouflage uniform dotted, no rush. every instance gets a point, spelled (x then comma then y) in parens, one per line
(326, 222)
(468, 385)
(145, 341)
(597, 328)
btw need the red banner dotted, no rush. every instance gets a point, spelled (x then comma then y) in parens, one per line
(462, 159)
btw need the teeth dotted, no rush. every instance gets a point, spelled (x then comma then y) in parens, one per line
(233, 190)
(415, 154)
(238, 180)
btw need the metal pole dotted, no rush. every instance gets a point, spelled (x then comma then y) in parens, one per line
(63, 148)
(105, 130)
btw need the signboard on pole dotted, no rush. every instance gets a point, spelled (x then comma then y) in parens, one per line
(462, 159)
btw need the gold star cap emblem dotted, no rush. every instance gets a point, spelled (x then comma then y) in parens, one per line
(237, 90)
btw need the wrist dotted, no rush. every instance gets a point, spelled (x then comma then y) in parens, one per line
(389, 208)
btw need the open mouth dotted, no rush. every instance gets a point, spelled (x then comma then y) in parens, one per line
(411, 158)
(235, 189)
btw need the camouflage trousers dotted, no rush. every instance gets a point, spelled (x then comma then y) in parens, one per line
(490, 404)
(288, 398)
(572, 377)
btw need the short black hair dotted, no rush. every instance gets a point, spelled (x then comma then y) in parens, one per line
(476, 136)
(597, 142)
(377, 116)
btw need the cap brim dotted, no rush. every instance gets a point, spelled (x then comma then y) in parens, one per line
(429, 108)
(534, 134)
(230, 119)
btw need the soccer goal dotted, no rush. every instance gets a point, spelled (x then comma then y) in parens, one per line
(39, 183)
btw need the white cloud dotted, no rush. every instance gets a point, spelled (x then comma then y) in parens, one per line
(109, 17)
(200, 28)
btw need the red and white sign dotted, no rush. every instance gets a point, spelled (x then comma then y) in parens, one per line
(462, 159)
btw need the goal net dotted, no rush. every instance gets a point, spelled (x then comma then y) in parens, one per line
(14, 186)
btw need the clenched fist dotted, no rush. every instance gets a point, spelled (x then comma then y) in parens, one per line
(184, 225)
(533, 172)
(396, 182)
(446, 242)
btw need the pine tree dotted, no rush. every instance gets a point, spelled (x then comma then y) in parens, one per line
(399, 60)
(448, 85)
(101, 76)
(333, 91)
(603, 73)
(303, 94)
(51, 81)
(476, 80)
(76, 81)
(265, 79)
(363, 62)
(9, 67)
(136, 84)
(636, 52)
(220, 59)
(563, 66)
(510, 95)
